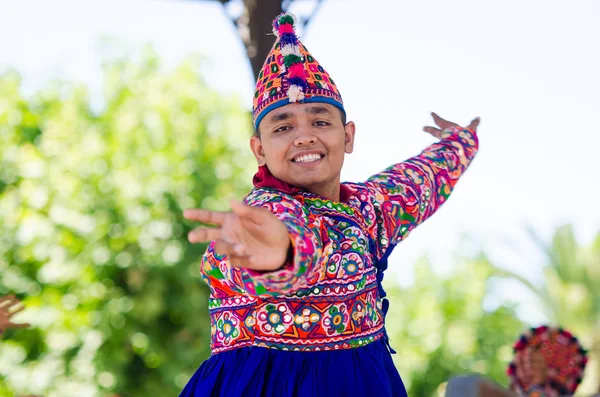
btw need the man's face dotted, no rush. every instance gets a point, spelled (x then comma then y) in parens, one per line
(531, 367)
(304, 144)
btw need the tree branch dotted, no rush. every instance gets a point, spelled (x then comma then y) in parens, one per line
(306, 21)
(254, 26)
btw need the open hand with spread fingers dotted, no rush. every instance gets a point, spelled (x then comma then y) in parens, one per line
(251, 237)
(443, 124)
(9, 306)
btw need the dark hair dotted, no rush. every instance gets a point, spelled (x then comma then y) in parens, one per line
(342, 116)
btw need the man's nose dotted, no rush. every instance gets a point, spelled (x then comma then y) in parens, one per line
(305, 137)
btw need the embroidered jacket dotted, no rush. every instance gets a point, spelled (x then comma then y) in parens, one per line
(330, 295)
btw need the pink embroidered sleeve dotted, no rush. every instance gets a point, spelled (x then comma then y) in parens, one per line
(306, 243)
(408, 193)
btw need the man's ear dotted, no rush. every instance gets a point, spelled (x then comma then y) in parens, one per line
(349, 131)
(258, 151)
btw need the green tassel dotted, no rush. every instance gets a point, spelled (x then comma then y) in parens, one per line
(291, 59)
(287, 18)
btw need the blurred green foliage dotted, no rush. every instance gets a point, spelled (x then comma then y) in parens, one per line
(440, 327)
(91, 232)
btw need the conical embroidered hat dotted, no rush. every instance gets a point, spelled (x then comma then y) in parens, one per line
(291, 74)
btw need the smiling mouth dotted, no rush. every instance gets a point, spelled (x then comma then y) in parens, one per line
(308, 158)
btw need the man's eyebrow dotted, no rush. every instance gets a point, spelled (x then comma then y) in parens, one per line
(317, 110)
(281, 116)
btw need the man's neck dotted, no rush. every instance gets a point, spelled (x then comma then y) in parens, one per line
(330, 190)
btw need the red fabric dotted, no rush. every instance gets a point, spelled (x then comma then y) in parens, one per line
(264, 178)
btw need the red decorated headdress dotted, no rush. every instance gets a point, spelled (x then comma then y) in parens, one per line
(565, 359)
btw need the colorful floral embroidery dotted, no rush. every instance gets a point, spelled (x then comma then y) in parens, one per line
(336, 319)
(307, 318)
(274, 318)
(228, 328)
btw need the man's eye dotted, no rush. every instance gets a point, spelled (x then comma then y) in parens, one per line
(322, 123)
(282, 129)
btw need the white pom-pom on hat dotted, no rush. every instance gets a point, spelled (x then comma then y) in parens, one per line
(295, 93)
(290, 49)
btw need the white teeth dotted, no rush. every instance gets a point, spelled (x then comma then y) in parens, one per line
(307, 158)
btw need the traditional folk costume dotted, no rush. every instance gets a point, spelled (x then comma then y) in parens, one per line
(565, 362)
(316, 326)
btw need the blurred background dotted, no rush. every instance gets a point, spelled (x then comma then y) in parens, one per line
(117, 114)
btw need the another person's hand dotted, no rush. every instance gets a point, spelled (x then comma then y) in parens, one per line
(251, 237)
(443, 124)
(9, 306)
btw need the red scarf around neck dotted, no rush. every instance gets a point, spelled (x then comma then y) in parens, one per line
(264, 178)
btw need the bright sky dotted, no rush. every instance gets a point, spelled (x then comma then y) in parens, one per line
(529, 69)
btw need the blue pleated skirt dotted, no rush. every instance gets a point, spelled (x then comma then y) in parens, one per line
(263, 372)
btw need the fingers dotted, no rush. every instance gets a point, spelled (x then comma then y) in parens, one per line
(246, 212)
(474, 124)
(433, 131)
(442, 123)
(245, 262)
(19, 308)
(10, 304)
(225, 247)
(13, 325)
(204, 234)
(6, 300)
(254, 219)
(205, 216)
(236, 253)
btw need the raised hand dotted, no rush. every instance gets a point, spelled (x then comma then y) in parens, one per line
(9, 306)
(251, 237)
(443, 124)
